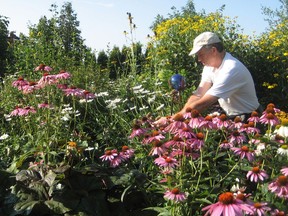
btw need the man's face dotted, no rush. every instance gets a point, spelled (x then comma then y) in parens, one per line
(204, 55)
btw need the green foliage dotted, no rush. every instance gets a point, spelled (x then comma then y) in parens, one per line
(3, 43)
(53, 159)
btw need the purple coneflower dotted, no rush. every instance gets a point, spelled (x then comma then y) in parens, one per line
(43, 67)
(159, 148)
(254, 117)
(196, 119)
(280, 186)
(176, 142)
(208, 123)
(47, 79)
(27, 89)
(276, 212)
(226, 145)
(126, 153)
(19, 83)
(270, 119)
(73, 91)
(177, 123)
(153, 136)
(45, 105)
(222, 121)
(109, 155)
(250, 128)
(63, 75)
(137, 131)
(256, 174)
(227, 205)
(175, 195)
(236, 137)
(166, 162)
(244, 152)
(198, 141)
(284, 171)
(18, 111)
(185, 133)
(260, 209)
(237, 123)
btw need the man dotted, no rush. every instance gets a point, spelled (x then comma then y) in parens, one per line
(224, 79)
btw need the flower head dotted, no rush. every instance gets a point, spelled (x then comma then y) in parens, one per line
(175, 195)
(280, 186)
(227, 205)
(256, 174)
(244, 152)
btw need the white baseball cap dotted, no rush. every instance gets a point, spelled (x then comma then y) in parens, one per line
(203, 39)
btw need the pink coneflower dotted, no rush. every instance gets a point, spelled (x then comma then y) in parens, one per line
(249, 128)
(109, 155)
(221, 121)
(177, 123)
(226, 145)
(260, 209)
(185, 133)
(280, 186)
(16, 111)
(271, 108)
(244, 197)
(175, 195)
(236, 137)
(166, 162)
(137, 131)
(19, 83)
(198, 141)
(153, 136)
(284, 171)
(208, 123)
(112, 157)
(63, 75)
(196, 119)
(44, 105)
(269, 119)
(73, 91)
(159, 148)
(43, 67)
(256, 174)
(126, 153)
(176, 142)
(227, 205)
(244, 152)
(237, 123)
(27, 89)
(254, 117)
(276, 212)
(87, 95)
(62, 86)
(47, 79)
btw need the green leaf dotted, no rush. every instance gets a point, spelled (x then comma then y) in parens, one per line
(56, 206)
(50, 177)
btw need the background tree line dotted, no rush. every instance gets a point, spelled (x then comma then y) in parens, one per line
(58, 42)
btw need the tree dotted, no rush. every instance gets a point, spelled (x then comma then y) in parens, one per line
(3, 43)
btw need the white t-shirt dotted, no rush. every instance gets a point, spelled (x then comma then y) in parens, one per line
(232, 83)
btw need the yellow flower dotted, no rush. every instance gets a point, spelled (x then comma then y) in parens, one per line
(72, 144)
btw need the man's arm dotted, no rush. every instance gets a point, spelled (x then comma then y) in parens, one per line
(198, 95)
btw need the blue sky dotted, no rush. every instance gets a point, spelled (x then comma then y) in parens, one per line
(102, 22)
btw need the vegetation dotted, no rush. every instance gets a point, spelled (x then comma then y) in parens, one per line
(75, 127)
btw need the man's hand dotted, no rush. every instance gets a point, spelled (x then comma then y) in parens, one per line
(162, 121)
